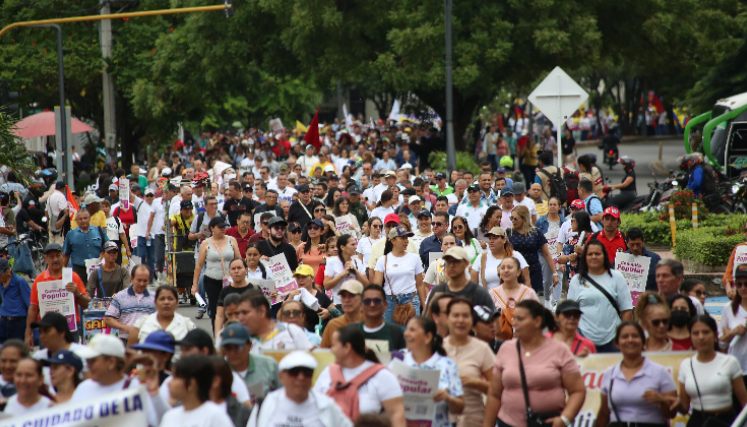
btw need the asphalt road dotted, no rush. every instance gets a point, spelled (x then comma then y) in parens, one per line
(645, 155)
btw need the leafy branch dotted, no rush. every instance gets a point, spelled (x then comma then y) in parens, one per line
(13, 153)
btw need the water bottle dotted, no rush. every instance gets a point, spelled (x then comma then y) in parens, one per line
(148, 241)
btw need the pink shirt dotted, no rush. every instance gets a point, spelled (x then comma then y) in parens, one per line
(544, 368)
(579, 344)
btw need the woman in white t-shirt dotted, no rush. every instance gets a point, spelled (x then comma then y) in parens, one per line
(32, 394)
(499, 248)
(379, 390)
(708, 379)
(400, 273)
(375, 226)
(191, 383)
(384, 207)
(345, 266)
(733, 321)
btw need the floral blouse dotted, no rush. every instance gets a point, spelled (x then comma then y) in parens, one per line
(448, 380)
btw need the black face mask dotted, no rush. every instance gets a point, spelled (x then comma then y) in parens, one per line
(680, 318)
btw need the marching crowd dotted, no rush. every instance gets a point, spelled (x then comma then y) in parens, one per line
(394, 263)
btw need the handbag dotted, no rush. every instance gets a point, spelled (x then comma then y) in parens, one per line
(534, 419)
(711, 419)
(402, 312)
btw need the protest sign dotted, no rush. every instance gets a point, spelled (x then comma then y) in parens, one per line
(91, 265)
(124, 408)
(434, 256)
(635, 270)
(124, 194)
(344, 225)
(284, 281)
(258, 223)
(133, 236)
(54, 298)
(740, 257)
(93, 323)
(418, 388)
(132, 262)
(552, 244)
(276, 125)
(267, 286)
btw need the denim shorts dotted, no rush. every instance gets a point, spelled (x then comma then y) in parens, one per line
(401, 299)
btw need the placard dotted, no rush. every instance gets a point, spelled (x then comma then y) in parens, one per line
(267, 286)
(91, 265)
(418, 388)
(93, 323)
(434, 256)
(124, 194)
(552, 244)
(740, 257)
(54, 298)
(281, 271)
(635, 270)
(257, 223)
(344, 225)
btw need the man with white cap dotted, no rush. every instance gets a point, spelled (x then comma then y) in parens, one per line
(113, 196)
(390, 178)
(93, 206)
(296, 404)
(456, 261)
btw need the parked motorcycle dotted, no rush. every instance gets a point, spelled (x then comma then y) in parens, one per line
(739, 195)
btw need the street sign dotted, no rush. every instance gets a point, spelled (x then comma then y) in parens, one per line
(557, 97)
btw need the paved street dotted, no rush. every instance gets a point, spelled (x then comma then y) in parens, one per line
(190, 311)
(645, 155)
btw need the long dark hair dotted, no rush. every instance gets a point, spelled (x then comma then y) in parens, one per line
(350, 334)
(710, 322)
(429, 327)
(690, 306)
(583, 222)
(255, 245)
(336, 210)
(386, 196)
(538, 310)
(342, 241)
(583, 269)
(330, 202)
(307, 243)
(736, 301)
(468, 236)
(486, 219)
(330, 232)
(585, 161)
(370, 223)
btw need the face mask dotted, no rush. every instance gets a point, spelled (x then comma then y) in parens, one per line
(680, 318)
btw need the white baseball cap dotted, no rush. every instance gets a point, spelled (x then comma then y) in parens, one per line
(102, 345)
(297, 359)
(329, 168)
(414, 199)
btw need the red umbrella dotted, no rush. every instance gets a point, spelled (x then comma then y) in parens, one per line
(42, 124)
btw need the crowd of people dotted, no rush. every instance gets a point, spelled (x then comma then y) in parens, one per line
(449, 273)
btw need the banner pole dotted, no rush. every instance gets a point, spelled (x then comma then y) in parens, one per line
(672, 224)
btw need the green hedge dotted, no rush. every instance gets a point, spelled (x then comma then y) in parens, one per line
(658, 232)
(707, 246)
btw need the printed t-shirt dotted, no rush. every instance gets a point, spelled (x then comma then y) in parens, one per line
(543, 368)
(390, 332)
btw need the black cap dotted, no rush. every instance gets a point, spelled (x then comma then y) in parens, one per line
(507, 191)
(424, 212)
(197, 338)
(248, 186)
(52, 320)
(474, 187)
(59, 185)
(303, 187)
(219, 221)
(65, 357)
(186, 204)
(277, 220)
(334, 176)
(440, 175)
(354, 191)
(293, 226)
(408, 192)
(741, 271)
(567, 305)
(484, 313)
(173, 187)
(52, 247)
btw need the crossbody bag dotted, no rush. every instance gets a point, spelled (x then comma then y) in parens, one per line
(402, 312)
(534, 419)
(605, 293)
(711, 420)
(220, 254)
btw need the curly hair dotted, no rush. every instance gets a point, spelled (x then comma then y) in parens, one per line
(486, 219)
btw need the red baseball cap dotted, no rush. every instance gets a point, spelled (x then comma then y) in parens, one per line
(611, 211)
(392, 217)
(578, 204)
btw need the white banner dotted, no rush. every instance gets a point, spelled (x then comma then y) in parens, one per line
(121, 409)
(418, 388)
(124, 194)
(344, 224)
(740, 257)
(54, 298)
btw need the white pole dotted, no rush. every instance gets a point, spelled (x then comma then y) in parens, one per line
(560, 126)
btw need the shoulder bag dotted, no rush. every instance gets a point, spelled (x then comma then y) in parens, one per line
(710, 420)
(534, 419)
(605, 293)
(220, 253)
(402, 312)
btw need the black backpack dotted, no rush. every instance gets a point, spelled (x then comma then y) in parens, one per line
(557, 185)
(710, 180)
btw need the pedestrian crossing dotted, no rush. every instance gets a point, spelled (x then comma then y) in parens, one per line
(715, 305)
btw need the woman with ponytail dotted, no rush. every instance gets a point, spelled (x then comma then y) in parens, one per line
(372, 387)
(548, 367)
(426, 352)
(32, 395)
(384, 206)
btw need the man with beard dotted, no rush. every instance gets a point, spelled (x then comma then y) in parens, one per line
(275, 244)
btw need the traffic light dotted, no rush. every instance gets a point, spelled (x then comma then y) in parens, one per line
(6, 97)
(228, 13)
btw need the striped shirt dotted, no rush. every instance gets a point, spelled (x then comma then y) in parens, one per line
(129, 307)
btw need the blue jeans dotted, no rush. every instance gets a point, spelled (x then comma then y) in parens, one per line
(402, 299)
(14, 329)
(148, 254)
(201, 290)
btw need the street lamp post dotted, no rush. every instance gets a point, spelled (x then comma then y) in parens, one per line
(450, 149)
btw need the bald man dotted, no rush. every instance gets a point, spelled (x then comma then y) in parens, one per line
(535, 193)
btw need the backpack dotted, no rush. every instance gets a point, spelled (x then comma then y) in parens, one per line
(345, 394)
(506, 319)
(587, 207)
(557, 185)
(710, 180)
(570, 178)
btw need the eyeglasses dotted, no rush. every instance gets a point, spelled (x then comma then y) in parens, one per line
(289, 313)
(457, 227)
(438, 224)
(376, 226)
(296, 371)
(514, 218)
(372, 301)
(315, 227)
(657, 322)
(320, 210)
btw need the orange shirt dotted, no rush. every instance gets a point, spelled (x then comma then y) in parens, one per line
(728, 279)
(46, 277)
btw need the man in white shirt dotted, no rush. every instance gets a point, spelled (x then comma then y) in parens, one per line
(184, 194)
(198, 193)
(56, 203)
(159, 231)
(474, 210)
(520, 199)
(267, 334)
(308, 160)
(390, 178)
(146, 216)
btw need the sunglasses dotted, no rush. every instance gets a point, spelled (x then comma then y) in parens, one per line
(265, 222)
(305, 371)
(372, 301)
(378, 227)
(315, 227)
(296, 231)
(278, 227)
(304, 192)
(699, 293)
(457, 227)
(289, 313)
(438, 224)
(514, 218)
(150, 195)
(573, 314)
(657, 322)
(739, 284)
(246, 190)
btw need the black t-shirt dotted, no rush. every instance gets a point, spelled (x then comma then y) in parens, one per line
(312, 318)
(630, 187)
(236, 207)
(474, 292)
(567, 144)
(269, 250)
(228, 290)
(390, 332)
(22, 218)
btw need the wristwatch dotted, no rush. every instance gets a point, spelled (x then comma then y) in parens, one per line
(565, 420)
(555, 274)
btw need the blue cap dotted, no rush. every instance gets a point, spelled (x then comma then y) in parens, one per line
(158, 340)
(235, 333)
(317, 221)
(500, 170)
(65, 357)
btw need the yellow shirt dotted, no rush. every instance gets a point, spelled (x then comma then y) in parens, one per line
(98, 219)
(321, 165)
(541, 208)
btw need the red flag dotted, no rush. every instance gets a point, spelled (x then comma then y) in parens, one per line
(658, 105)
(72, 206)
(312, 136)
